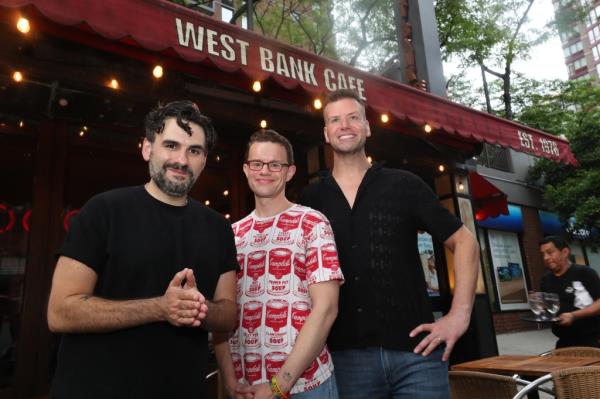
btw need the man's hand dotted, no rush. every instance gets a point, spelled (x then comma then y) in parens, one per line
(237, 390)
(182, 304)
(566, 319)
(260, 391)
(447, 329)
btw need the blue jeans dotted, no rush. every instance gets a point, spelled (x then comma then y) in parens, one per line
(327, 390)
(377, 373)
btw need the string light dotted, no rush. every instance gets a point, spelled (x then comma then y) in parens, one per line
(158, 72)
(441, 168)
(63, 102)
(461, 186)
(427, 128)
(317, 104)
(21, 123)
(370, 159)
(385, 118)
(114, 84)
(263, 124)
(218, 158)
(207, 202)
(17, 76)
(81, 133)
(227, 216)
(256, 86)
(23, 25)
(225, 193)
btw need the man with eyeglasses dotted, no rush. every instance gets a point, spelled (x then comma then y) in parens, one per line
(287, 287)
(385, 342)
(144, 273)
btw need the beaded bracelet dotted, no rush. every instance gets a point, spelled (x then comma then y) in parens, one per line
(276, 390)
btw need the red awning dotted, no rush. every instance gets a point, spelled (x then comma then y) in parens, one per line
(162, 26)
(489, 200)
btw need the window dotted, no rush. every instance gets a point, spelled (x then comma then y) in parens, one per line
(226, 13)
(495, 157)
(572, 49)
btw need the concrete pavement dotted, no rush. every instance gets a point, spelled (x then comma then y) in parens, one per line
(531, 342)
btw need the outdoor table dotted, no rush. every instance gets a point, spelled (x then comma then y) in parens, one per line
(528, 367)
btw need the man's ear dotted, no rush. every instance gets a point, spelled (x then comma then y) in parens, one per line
(146, 149)
(290, 173)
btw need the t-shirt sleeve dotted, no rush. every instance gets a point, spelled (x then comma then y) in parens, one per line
(229, 255)
(430, 215)
(592, 282)
(322, 263)
(86, 240)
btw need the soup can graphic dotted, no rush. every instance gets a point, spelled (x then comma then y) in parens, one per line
(234, 340)
(280, 270)
(324, 355)
(252, 367)
(286, 224)
(300, 311)
(239, 283)
(326, 232)
(236, 359)
(299, 277)
(309, 373)
(255, 270)
(261, 229)
(312, 261)
(307, 226)
(273, 363)
(329, 257)
(241, 236)
(251, 323)
(276, 334)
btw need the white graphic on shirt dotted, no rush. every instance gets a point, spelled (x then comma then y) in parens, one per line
(583, 299)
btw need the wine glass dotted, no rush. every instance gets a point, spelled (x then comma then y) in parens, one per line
(551, 303)
(536, 303)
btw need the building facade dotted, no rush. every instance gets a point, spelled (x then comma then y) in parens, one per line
(580, 37)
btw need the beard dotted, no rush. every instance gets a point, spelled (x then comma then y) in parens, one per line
(172, 188)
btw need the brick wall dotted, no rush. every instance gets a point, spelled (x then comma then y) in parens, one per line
(532, 235)
(510, 322)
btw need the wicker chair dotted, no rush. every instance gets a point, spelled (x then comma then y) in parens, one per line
(476, 385)
(581, 351)
(571, 383)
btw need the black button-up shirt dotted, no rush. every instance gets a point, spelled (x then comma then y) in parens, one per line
(385, 295)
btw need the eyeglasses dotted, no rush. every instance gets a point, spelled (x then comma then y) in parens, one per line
(273, 166)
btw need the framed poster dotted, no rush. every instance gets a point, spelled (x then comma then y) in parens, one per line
(508, 270)
(425, 244)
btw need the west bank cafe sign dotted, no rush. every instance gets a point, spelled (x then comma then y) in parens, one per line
(238, 51)
(262, 59)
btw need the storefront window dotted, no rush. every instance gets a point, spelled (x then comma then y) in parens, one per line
(427, 255)
(15, 217)
(508, 270)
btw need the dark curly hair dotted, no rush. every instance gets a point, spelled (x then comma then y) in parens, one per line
(184, 112)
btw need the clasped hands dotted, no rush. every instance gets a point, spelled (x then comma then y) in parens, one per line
(182, 304)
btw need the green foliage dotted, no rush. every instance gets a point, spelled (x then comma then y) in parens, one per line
(569, 109)
(303, 23)
(365, 32)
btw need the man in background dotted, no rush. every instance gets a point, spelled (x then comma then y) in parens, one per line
(578, 288)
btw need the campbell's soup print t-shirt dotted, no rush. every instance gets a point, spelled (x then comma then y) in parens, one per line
(280, 257)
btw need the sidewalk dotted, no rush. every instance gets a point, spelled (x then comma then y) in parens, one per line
(531, 342)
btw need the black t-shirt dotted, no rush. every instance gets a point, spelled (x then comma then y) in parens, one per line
(136, 244)
(572, 294)
(385, 294)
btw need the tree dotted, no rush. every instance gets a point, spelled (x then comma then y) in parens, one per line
(491, 35)
(570, 109)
